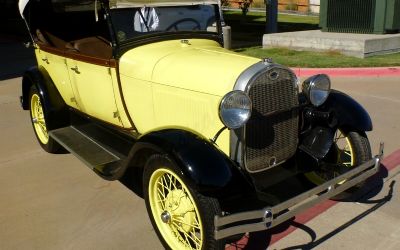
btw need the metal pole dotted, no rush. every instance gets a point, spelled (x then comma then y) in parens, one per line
(272, 16)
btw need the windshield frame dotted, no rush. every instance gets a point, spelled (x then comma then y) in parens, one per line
(123, 46)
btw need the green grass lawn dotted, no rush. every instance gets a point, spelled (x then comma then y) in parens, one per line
(260, 17)
(286, 22)
(247, 33)
(333, 59)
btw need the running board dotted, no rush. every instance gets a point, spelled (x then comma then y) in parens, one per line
(97, 156)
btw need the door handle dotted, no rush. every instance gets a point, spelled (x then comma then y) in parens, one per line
(76, 70)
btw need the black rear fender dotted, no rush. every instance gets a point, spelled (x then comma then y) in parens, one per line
(56, 112)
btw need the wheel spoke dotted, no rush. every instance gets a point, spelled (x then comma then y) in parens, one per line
(347, 153)
(194, 238)
(197, 240)
(187, 224)
(171, 182)
(40, 119)
(340, 137)
(161, 200)
(165, 184)
(188, 238)
(42, 127)
(348, 164)
(161, 192)
(187, 241)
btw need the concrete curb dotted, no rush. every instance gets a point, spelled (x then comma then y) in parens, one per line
(349, 72)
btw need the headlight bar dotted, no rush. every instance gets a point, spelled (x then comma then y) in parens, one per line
(272, 216)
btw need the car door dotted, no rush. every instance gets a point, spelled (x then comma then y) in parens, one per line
(93, 88)
(54, 62)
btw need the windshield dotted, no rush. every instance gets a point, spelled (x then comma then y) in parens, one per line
(134, 22)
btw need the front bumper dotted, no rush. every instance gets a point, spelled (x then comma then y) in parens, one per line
(269, 217)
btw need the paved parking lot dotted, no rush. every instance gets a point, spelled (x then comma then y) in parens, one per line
(56, 202)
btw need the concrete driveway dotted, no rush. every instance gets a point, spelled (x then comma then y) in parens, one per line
(55, 202)
(52, 201)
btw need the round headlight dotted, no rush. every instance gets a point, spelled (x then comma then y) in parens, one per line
(317, 89)
(235, 109)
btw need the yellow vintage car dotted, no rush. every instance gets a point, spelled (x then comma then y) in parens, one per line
(213, 140)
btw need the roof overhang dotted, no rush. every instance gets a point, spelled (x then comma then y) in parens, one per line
(21, 5)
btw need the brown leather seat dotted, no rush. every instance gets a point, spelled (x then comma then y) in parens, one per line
(49, 39)
(93, 46)
(41, 39)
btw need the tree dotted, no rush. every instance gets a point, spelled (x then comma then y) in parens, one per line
(244, 6)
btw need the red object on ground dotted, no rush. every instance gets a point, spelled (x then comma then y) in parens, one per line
(349, 72)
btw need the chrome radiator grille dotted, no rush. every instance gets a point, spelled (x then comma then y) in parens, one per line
(271, 134)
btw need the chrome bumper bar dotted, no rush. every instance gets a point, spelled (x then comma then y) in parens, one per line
(258, 220)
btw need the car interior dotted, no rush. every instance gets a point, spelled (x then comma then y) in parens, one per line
(76, 32)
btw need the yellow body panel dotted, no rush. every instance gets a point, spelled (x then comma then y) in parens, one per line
(138, 97)
(94, 91)
(56, 66)
(118, 101)
(177, 84)
(189, 109)
(202, 65)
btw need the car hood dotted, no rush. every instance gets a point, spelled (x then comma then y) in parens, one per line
(197, 65)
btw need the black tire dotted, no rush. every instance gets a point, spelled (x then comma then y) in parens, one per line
(166, 214)
(39, 122)
(360, 151)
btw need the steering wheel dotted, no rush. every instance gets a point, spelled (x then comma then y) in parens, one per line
(196, 26)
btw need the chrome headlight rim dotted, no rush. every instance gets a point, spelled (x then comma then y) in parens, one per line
(239, 120)
(317, 89)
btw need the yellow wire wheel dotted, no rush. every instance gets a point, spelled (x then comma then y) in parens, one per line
(39, 123)
(349, 150)
(38, 120)
(182, 217)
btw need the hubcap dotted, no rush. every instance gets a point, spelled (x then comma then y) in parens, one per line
(166, 217)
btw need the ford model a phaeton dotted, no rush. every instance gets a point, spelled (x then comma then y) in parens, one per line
(143, 89)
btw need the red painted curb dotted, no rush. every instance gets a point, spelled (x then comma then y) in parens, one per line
(390, 162)
(349, 72)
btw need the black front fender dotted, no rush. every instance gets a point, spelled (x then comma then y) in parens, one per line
(342, 112)
(208, 169)
(347, 112)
